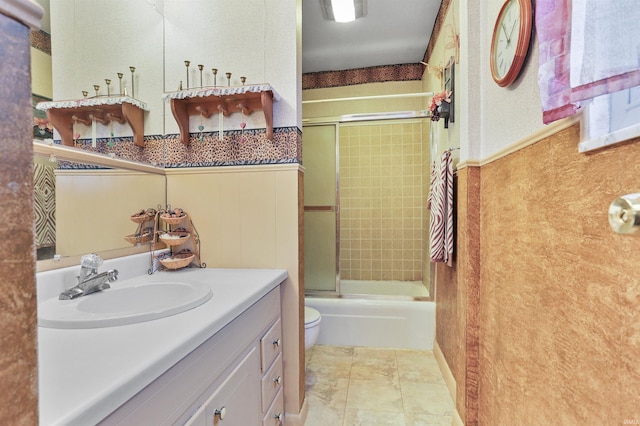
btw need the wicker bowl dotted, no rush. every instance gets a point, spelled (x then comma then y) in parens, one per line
(173, 220)
(143, 216)
(174, 238)
(138, 238)
(177, 261)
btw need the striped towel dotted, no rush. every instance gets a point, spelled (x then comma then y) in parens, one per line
(440, 201)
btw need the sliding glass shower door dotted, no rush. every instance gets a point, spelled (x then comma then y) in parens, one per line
(321, 210)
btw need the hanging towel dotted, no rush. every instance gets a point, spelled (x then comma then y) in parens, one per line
(432, 181)
(440, 201)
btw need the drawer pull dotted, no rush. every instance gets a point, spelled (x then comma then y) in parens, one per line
(276, 342)
(277, 380)
(220, 413)
(278, 417)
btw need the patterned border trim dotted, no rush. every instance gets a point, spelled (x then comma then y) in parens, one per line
(324, 79)
(238, 148)
(41, 41)
(437, 27)
(233, 163)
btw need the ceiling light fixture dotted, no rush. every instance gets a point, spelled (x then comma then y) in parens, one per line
(343, 10)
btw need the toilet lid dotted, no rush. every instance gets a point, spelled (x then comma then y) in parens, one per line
(310, 315)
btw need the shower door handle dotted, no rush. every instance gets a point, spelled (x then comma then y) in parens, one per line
(319, 208)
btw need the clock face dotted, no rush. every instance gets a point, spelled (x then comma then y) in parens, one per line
(506, 39)
(510, 43)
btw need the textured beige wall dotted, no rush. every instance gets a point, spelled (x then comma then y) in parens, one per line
(41, 82)
(248, 217)
(361, 106)
(559, 299)
(93, 207)
(381, 201)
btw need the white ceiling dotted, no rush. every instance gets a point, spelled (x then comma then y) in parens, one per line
(392, 32)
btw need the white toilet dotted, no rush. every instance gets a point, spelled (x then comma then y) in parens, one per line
(312, 321)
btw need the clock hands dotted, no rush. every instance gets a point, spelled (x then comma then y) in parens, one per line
(504, 30)
(511, 32)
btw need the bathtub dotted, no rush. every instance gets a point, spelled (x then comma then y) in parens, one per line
(376, 314)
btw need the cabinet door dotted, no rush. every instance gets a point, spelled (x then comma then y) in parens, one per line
(275, 414)
(270, 345)
(271, 383)
(236, 402)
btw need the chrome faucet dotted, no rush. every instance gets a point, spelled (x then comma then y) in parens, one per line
(89, 280)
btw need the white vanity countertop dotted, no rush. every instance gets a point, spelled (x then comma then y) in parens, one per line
(85, 374)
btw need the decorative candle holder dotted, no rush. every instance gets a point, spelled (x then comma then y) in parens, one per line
(228, 79)
(133, 93)
(85, 93)
(96, 88)
(108, 81)
(243, 79)
(215, 73)
(186, 64)
(120, 78)
(200, 67)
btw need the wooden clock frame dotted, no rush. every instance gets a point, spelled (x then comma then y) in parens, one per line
(524, 39)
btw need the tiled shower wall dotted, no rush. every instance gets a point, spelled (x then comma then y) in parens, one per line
(381, 201)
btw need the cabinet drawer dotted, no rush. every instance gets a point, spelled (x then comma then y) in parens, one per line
(271, 382)
(236, 401)
(275, 415)
(270, 345)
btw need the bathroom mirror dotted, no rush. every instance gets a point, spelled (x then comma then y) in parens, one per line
(89, 210)
(92, 197)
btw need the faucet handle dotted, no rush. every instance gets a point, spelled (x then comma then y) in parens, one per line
(91, 260)
(112, 275)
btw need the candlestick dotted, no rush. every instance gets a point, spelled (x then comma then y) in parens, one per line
(108, 81)
(186, 64)
(120, 78)
(243, 79)
(200, 68)
(215, 73)
(132, 69)
(228, 79)
(85, 93)
(96, 88)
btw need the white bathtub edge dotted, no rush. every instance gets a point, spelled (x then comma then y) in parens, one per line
(395, 324)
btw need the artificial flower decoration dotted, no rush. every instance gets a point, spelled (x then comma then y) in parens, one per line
(436, 102)
(43, 125)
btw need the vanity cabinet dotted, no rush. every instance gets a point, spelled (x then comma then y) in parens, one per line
(233, 378)
(271, 367)
(229, 401)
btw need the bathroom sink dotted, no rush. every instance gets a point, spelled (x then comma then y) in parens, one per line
(128, 303)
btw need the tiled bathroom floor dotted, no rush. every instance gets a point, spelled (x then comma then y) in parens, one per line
(356, 386)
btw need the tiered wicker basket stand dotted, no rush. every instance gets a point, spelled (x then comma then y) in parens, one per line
(181, 237)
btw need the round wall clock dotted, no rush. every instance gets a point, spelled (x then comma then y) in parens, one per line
(510, 43)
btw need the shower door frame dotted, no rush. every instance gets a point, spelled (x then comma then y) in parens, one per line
(337, 121)
(335, 209)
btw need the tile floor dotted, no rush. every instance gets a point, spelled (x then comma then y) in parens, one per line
(357, 386)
